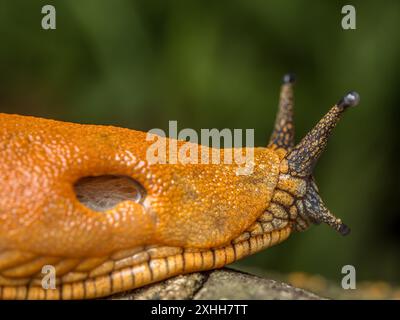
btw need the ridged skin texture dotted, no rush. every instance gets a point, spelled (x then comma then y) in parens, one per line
(87, 202)
(191, 205)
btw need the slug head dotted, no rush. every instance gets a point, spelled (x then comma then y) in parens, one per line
(297, 178)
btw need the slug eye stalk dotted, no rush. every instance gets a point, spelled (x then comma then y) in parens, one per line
(302, 157)
(283, 134)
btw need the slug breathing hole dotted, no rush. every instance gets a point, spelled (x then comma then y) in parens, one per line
(102, 193)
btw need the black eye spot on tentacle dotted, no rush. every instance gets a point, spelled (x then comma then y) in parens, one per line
(344, 229)
(289, 78)
(351, 99)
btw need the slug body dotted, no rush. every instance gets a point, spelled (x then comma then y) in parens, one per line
(84, 200)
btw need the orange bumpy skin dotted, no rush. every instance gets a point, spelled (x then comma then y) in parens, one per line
(84, 200)
(192, 205)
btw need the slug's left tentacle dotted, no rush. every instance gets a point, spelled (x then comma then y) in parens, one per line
(283, 134)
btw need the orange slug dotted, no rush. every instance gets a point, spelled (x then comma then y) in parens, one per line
(84, 199)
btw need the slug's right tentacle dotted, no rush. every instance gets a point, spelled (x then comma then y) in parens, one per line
(302, 159)
(283, 134)
(304, 156)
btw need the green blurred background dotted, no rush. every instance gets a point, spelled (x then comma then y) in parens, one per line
(207, 64)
